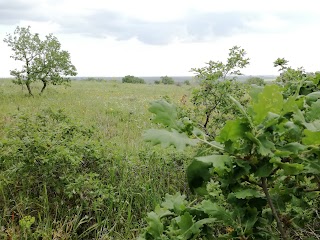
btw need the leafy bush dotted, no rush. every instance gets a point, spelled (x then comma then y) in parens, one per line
(187, 82)
(259, 179)
(132, 79)
(167, 80)
(212, 108)
(255, 80)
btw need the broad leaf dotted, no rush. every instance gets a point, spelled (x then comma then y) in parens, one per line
(175, 202)
(155, 226)
(269, 100)
(314, 111)
(311, 138)
(247, 194)
(198, 172)
(216, 211)
(167, 138)
(165, 113)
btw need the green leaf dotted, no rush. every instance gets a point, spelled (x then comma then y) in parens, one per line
(290, 105)
(241, 109)
(314, 111)
(216, 211)
(311, 138)
(233, 130)
(266, 147)
(293, 148)
(269, 100)
(198, 172)
(271, 119)
(264, 171)
(155, 226)
(288, 168)
(312, 97)
(165, 113)
(247, 194)
(167, 138)
(175, 202)
(185, 223)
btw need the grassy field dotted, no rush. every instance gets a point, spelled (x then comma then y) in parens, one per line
(138, 174)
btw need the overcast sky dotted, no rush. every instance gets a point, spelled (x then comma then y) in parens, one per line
(168, 37)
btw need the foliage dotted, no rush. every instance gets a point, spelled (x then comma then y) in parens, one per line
(211, 106)
(261, 173)
(132, 79)
(166, 80)
(255, 80)
(127, 174)
(43, 60)
(282, 63)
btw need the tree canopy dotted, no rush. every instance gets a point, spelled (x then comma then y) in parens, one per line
(42, 60)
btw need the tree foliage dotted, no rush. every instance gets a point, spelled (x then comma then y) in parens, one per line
(260, 173)
(212, 107)
(255, 80)
(166, 80)
(42, 60)
(132, 79)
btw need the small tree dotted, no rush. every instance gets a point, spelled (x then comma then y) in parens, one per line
(255, 80)
(281, 62)
(167, 80)
(43, 60)
(132, 79)
(212, 107)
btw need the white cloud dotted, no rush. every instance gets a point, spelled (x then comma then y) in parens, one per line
(143, 37)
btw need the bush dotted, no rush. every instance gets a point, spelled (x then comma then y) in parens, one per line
(132, 79)
(255, 80)
(167, 80)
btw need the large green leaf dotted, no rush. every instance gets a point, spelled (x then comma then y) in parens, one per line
(314, 111)
(247, 194)
(198, 172)
(165, 113)
(217, 212)
(167, 138)
(269, 100)
(312, 97)
(176, 202)
(311, 138)
(155, 226)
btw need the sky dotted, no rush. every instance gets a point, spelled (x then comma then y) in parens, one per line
(114, 38)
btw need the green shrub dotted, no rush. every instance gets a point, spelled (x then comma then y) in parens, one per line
(133, 79)
(255, 80)
(167, 80)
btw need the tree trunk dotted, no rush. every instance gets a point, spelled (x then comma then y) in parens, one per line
(43, 87)
(29, 89)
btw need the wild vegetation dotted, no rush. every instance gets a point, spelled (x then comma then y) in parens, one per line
(42, 60)
(240, 160)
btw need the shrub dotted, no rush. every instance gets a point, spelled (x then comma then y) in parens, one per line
(167, 80)
(255, 80)
(133, 79)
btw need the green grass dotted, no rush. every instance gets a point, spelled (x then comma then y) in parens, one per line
(139, 174)
(120, 111)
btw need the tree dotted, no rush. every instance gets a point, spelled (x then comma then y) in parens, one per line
(212, 107)
(167, 80)
(42, 60)
(281, 62)
(255, 80)
(132, 79)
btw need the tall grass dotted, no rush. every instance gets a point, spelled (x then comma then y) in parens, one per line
(137, 174)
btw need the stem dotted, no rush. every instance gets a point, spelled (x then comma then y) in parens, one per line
(273, 209)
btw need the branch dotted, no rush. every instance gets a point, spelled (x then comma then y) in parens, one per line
(273, 209)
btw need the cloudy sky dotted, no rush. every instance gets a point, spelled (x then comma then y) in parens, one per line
(168, 37)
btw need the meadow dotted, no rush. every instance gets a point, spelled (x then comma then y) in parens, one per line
(137, 174)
